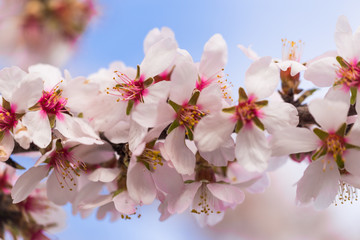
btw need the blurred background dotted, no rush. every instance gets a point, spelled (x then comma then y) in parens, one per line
(116, 32)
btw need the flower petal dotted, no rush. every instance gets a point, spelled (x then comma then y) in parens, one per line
(39, 128)
(183, 201)
(104, 174)
(57, 194)
(124, 204)
(226, 192)
(322, 72)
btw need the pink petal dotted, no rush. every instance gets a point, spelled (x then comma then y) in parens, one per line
(140, 184)
(214, 57)
(10, 77)
(226, 192)
(329, 114)
(352, 161)
(180, 155)
(248, 52)
(183, 201)
(57, 194)
(318, 185)
(262, 77)
(156, 35)
(222, 155)
(124, 204)
(167, 179)
(104, 174)
(27, 182)
(6, 146)
(39, 128)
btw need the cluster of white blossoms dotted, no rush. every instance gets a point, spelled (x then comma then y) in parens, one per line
(170, 129)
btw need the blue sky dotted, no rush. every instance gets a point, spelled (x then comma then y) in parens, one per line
(118, 34)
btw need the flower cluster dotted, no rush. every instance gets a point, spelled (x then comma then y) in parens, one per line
(170, 130)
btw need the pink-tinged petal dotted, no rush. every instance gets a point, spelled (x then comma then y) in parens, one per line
(278, 115)
(94, 154)
(180, 155)
(167, 179)
(276, 162)
(151, 115)
(104, 174)
(39, 128)
(214, 57)
(212, 131)
(156, 35)
(209, 220)
(252, 149)
(100, 200)
(182, 202)
(262, 77)
(157, 92)
(226, 192)
(344, 38)
(27, 93)
(10, 77)
(237, 174)
(353, 136)
(210, 99)
(249, 52)
(50, 74)
(140, 184)
(329, 114)
(357, 105)
(27, 182)
(6, 147)
(183, 80)
(322, 72)
(77, 128)
(223, 154)
(124, 204)
(86, 194)
(136, 135)
(158, 57)
(352, 161)
(319, 185)
(57, 194)
(296, 67)
(260, 185)
(118, 133)
(293, 140)
(336, 93)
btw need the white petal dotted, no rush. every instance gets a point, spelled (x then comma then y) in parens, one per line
(158, 57)
(157, 92)
(104, 174)
(318, 185)
(293, 140)
(124, 204)
(183, 201)
(210, 99)
(136, 135)
(212, 131)
(278, 115)
(167, 179)
(262, 77)
(27, 182)
(6, 147)
(180, 155)
(9, 79)
(39, 128)
(329, 114)
(248, 52)
(57, 194)
(344, 38)
(118, 133)
(336, 93)
(223, 154)
(183, 80)
(352, 161)
(140, 184)
(226, 192)
(214, 57)
(322, 72)
(50, 74)
(252, 149)
(156, 35)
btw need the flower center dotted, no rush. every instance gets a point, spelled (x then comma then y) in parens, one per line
(52, 102)
(66, 167)
(128, 89)
(152, 157)
(291, 50)
(189, 116)
(7, 119)
(247, 110)
(335, 144)
(348, 74)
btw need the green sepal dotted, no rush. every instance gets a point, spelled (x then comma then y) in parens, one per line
(350, 146)
(261, 104)
(19, 115)
(36, 107)
(117, 192)
(2, 134)
(342, 62)
(340, 161)
(230, 110)
(174, 125)
(189, 181)
(358, 64)
(242, 95)
(148, 82)
(52, 120)
(137, 72)
(320, 133)
(6, 104)
(239, 125)
(306, 94)
(80, 115)
(342, 130)
(194, 97)
(58, 145)
(353, 91)
(175, 106)
(146, 164)
(14, 164)
(321, 152)
(129, 107)
(258, 123)
(151, 144)
(189, 133)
